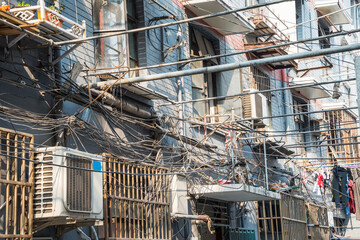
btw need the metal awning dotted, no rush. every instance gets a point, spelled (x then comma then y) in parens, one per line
(269, 53)
(234, 192)
(273, 148)
(313, 92)
(226, 24)
(329, 6)
(145, 92)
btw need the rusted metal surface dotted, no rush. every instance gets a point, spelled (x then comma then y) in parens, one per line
(136, 201)
(17, 184)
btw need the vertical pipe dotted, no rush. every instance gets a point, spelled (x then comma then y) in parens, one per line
(357, 72)
(266, 172)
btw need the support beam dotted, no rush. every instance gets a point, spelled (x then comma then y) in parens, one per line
(226, 67)
(38, 37)
(17, 39)
(57, 60)
(357, 72)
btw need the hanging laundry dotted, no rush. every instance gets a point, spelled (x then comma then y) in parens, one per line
(356, 178)
(339, 187)
(320, 181)
(317, 188)
(327, 178)
(351, 196)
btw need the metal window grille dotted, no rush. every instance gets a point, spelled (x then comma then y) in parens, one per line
(342, 141)
(318, 222)
(282, 219)
(17, 185)
(136, 201)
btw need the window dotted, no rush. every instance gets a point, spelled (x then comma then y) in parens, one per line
(323, 30)
(203, 85)
(342, 138)
(114, 52)
(261, 81)
(137, 204)
(282, 219)
(110, 16)
(301, 120)
(16, 182)
(132, 37)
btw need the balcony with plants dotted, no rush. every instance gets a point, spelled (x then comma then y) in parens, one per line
(47, 21)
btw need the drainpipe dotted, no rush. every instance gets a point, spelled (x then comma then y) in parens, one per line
(284, 81)
(204, 218)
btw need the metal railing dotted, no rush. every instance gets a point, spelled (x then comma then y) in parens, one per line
(40, 13)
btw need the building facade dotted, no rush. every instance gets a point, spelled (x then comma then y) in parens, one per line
(129, 119)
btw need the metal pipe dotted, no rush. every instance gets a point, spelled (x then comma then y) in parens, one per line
(227, 67)
(125, 104)
(82, 234)
(218, 14)
(204, 218)
(183, 62)
(94, 232)
(357, 71)
(260, 91)
(266, 168)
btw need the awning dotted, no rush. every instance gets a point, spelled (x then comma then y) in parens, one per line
(144, 92)
(269, 53)
(313, 92)
(234, 192)
(273, 148)
(329, 6)
(226, 24)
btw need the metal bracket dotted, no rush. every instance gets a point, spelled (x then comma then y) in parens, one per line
(65, 53)
(17, 39)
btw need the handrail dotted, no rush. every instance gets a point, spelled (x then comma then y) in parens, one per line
(42, 10)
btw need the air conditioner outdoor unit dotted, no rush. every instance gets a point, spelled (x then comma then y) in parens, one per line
(64, 189)
(255, 106)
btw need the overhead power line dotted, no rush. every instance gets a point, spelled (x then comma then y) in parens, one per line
(225, 67)
(256, 92)
(185, 61)
(172, 23)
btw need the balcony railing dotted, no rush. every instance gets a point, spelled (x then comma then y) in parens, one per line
(50, 23)
(265, 27)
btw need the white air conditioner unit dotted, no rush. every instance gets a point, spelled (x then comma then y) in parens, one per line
(255, 106)
(68, 184)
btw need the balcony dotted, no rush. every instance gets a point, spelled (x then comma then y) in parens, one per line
(234, 192)
(329, 6)
(311, 92)
(269, 53)
(273, 149)
(264, 27)
(227, 24)
(41, 20)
